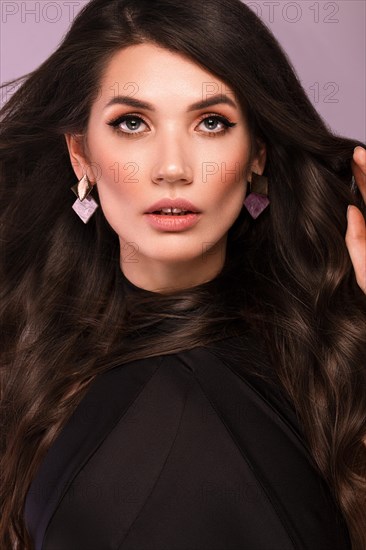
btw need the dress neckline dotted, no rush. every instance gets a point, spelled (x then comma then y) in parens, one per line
(131, 288)
(134, 289)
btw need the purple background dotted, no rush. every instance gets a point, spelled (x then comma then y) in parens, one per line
(324, 40)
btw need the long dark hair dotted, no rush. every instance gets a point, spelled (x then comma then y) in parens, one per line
(65, 317)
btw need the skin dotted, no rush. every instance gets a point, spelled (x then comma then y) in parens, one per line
(170, 154)
(356, 227)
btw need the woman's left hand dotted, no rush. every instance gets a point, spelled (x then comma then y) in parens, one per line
(356, 226)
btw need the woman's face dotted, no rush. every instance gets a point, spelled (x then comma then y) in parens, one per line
(168, 150)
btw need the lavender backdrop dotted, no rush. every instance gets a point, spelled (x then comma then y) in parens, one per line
(324, 40)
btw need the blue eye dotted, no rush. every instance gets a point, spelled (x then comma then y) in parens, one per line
(133, 119)
(216, 119)
(129, 120)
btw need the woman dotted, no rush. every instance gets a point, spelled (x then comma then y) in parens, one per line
(179, 382)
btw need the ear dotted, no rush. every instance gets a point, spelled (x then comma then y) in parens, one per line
(259, 160)
(78, 158)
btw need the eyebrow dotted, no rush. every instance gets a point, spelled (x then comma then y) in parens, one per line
(133, 102)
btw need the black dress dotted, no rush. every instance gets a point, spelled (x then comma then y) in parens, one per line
(187, 451)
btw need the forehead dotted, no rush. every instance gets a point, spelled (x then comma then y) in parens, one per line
(159, 76)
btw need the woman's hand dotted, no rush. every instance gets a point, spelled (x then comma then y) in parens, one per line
(356, 226)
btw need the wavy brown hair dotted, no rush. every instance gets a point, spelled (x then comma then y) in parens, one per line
(64, 317)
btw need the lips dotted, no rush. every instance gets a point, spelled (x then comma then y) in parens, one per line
(182, 204)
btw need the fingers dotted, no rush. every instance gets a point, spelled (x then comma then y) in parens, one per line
(359, 169)
(356, 243)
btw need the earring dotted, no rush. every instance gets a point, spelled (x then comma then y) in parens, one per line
(257, 200)
(85, 205)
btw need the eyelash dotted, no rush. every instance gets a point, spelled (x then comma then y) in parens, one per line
(116, 122)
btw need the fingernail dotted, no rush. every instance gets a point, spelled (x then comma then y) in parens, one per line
(358, 147)
(348, 207)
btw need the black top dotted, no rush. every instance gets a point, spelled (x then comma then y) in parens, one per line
(187, 451)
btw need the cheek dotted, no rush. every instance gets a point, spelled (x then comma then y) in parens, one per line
(118, 176)
(227, 201)
(104, 154)
(228, 194)
(115, 179)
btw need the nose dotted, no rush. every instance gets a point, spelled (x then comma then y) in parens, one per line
(174, 164)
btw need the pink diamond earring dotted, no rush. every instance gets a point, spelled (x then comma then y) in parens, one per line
(257, 200)
(85, 205)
